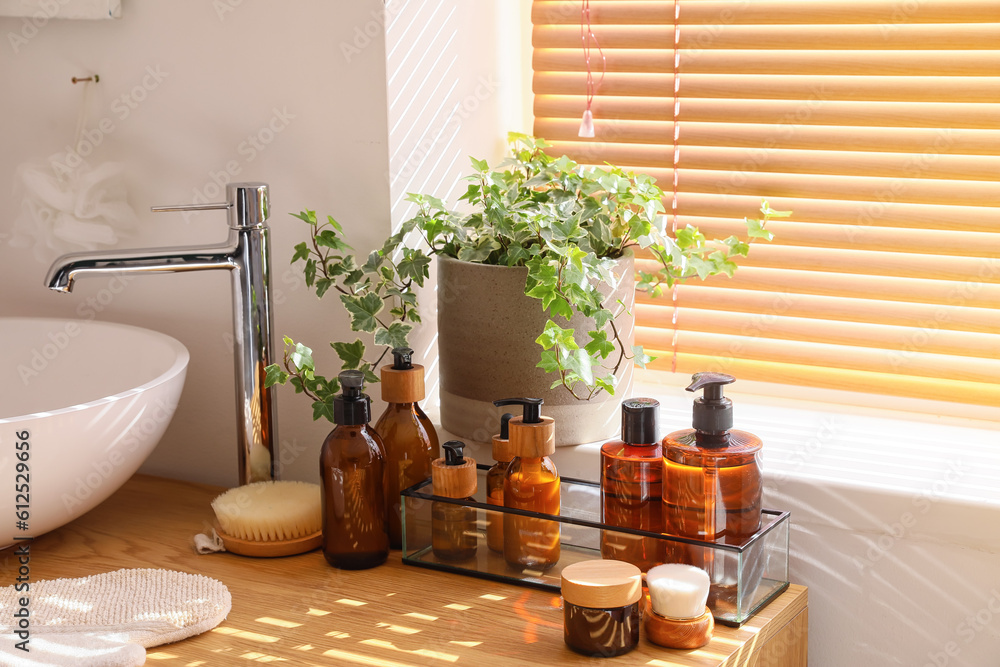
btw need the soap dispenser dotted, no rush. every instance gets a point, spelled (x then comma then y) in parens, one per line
(632, 487)
(352, 468)
(531, 483)
(712, 474)
(410, 441)
(454, 536)
(502, 454)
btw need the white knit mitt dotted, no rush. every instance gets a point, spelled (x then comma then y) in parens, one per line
(105, 620)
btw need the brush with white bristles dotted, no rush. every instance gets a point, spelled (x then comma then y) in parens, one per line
(270, 518)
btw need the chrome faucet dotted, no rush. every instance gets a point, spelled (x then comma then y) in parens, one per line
(246, 254)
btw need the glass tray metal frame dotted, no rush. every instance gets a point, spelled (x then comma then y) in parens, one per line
(753, 573)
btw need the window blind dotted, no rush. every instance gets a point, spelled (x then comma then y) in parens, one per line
(876, 122)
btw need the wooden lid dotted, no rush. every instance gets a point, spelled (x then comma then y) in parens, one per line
(601, 584)
(454, 481)
(503, 451)
(533, 440)
(402, 386)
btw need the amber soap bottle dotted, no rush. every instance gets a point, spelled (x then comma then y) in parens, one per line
(454, 535)
(632, 487)
(411, 443)
(352, 467)
(502, 453)
(531, 483)
(711, 473)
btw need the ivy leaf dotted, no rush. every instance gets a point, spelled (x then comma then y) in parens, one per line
(549, 362)
(323, 409)
(301, 358)
(306, 216)
(555, 335)
(370, 376)
(273, 375)
(639, 357)
(755, 230)
(322, 285)
(350, 353)
(301, 252)
(599, 344)
(415, 265)
(394, 336)
(363, 310)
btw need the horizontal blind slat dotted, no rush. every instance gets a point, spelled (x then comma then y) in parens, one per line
(901, 362)
(695, 295)
(784, 87)
(774, 326)
(887, 13)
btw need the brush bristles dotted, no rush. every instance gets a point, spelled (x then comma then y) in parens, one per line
(270, 511)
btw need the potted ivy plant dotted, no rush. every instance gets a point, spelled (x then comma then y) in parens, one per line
(536, 287)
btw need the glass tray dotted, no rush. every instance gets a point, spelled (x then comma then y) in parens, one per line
(745, 576)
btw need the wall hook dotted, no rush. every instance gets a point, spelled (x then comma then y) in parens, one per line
(95, 78)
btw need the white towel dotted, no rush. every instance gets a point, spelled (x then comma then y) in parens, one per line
(104, 620)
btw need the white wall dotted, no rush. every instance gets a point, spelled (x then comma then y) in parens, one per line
(225, 75)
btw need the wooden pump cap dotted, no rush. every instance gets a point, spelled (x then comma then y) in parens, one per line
(452, 479)
(402, 386)
(601, 584)
(533, 440)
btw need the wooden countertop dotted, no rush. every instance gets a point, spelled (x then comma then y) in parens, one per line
(301, 611)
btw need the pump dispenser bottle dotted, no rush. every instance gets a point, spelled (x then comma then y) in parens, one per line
(453, 527)
(411, 442)
(632, 487)
(352, 467)
(712, 475)
(502, 453)
(531, 483)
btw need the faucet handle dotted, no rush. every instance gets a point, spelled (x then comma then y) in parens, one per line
(249, 205)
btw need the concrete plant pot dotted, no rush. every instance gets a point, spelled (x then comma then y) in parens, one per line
(486, 349)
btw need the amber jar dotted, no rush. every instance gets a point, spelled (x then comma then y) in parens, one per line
(352, 469)
(601, 607)
(632, 487)
(410, 441)
(502, 453)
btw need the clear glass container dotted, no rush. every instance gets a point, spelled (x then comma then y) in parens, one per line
(758, 567)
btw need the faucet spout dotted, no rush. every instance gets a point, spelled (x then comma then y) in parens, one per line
(246, 255)
(63, 273)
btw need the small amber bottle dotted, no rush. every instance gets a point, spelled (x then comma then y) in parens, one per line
(531, 483)
(411, 442)
(352, 468)
(503, 453)
(712, 480)
(632, 487)
(454, 536)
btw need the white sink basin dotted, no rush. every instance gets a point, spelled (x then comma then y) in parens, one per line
(91, 399)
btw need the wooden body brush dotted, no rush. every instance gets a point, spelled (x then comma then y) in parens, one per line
(269, 519)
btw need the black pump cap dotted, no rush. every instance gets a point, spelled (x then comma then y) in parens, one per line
(639, 420)
(532, 413)
(402, 358)
(505, 426)
(454, 453)
(713, 412)
(352, 407)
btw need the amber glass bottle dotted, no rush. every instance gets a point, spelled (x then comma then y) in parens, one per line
(632, 487)
(411, 442)
(531, 483)
(712, 480)
(352, 467)
(454, 534)
(502, 453)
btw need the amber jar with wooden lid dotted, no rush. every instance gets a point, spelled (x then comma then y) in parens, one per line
(454, 534)
(411, 442)
(601, 607)
(503, 452)
(531, 483)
